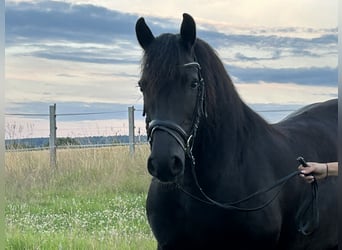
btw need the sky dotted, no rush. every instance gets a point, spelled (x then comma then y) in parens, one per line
(83, 56)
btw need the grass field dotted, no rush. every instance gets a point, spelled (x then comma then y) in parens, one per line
(94, 200)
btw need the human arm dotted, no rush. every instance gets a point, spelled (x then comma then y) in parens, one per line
(316, 170)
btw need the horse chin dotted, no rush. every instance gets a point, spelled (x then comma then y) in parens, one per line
(169, 183)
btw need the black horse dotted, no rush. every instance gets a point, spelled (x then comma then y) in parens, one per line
(209, 149)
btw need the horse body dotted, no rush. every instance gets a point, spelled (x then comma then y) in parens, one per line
(179, 222)
(236, 153)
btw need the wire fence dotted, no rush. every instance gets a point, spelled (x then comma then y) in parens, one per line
(28, 125)
(86, 133)
(119, 144)
(32, 136)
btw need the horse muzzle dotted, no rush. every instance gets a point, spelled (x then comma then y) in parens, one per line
(168, 150)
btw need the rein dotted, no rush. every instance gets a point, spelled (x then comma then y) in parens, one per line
(232, 205)
(306, 224)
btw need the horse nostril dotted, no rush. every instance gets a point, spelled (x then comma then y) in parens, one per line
(176, 166)
(151, 167)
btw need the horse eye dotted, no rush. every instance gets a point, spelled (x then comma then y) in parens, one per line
(194, 84)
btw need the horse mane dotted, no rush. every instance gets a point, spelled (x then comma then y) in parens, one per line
(229, 120)
(222, 96)
(219, 86)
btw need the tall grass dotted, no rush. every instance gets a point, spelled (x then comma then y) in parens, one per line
(78, 170)
(95, 199)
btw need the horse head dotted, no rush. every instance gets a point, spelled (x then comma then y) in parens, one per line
(173, 91)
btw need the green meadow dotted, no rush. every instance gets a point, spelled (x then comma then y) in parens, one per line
(95, 199)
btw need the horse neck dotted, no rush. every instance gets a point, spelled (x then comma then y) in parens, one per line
(224, 133)
(221, 150)
(228, 131)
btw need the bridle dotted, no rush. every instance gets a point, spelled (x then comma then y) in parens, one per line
(186, 141)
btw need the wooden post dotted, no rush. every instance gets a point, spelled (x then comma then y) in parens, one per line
(52, 139)
(131, 129)
(2, 126)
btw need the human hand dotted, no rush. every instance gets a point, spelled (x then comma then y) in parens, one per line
(313, 171)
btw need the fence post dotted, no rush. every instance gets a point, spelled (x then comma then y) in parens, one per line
(131, 129)
(2, 125)
(52, 139)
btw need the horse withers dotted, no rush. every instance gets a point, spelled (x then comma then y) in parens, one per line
(209, 149)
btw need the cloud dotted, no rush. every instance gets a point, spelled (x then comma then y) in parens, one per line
(306, 76)
(61, 21)
(46, 20)
(59, 50)
(82, 56)
(281, 40)
(50, 20)
(241, 57)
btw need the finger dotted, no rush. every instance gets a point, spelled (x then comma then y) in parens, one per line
(310, 178)
(313, 179)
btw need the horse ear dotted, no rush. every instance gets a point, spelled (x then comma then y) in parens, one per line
(188, 31)
(144, 34)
